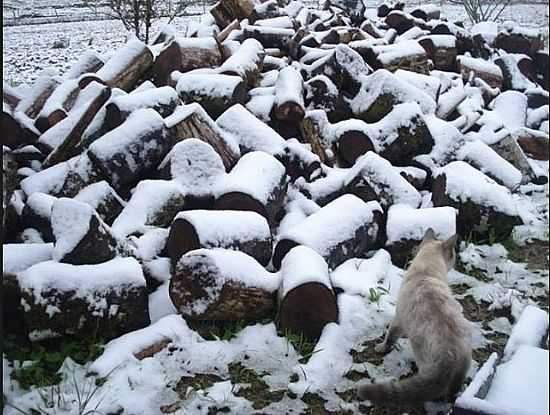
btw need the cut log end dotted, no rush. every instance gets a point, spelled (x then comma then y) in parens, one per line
(301, 311)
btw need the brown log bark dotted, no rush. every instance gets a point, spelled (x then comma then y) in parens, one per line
(203, 287)
(127, 66)
(186, 54)
(493, 78)
(89, 62)
(194, 122)
(214, 92)
(533, 143)
(82, 119)
(225, 11)
(289, 96)
(342, 246)
(246, 62)
(164, 100)
(41, 91)
(10, 96)
(307, 305)
(234, 25)
(443, 56)
(270, 37)
(521, 42)
(189, 231)
(58, 104)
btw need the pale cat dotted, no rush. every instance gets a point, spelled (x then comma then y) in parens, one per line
(432, 319)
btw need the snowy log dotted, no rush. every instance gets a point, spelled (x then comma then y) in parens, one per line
(103, 199)
(164, 100)
(221, 284)
(257, 183)
(128, 153)
(518, 72)
(533, 143)
(487, 160)
(225, 11)
(9, 182)
(37, 214)
(269, 37)
(17, 129)
(17, 258)
(306, 300)
(289, 96)
(81, 237)
(153, 203)
(185, 54)
(192, 121)
(10, 96)
(214, 92)
(406, 227)
(441, 49)
(483, 205)
(407, 55)
(62, 299)
(382, 91)
(335, 237)
(31, 104)
(518, 40)
(57, 105)
(402, 22)
(542, 64)
(427, 12)
(299, 161)
(481, 68)
(247, 232)
(69, 131)
(89, 62)
(374, 178)
(322, 93)
(127, 66)
(510, 150)
(246, 62)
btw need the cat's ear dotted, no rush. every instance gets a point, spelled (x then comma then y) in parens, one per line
(449, 244)
(429, 236)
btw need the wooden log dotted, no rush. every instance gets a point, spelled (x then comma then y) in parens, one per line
(125, 158)
(206, 285)
(9, 182)
(37, 214)
(17, 129)
(322, 93)
(80, 172)
(214, 92)
(127, 66)
(89, 62)
(441, 49)
(264, 195)
(381, 92)
(402, 22)
(266, 10)
(485, 70)
(289, 96)
(195, 165)
(57, 105)
(406, 227)
(533, 143)
(246, 62)
(110, 298)
(247, 232)
(374, 178)
(31, 104)
(10, 96)
(542, 61)
(299, 161)
(518, 73)
(449, 101)
(269, 37)
(153, 203)
(185, 54)
(17, 258)
(81, 237)
(225, 11)
(73, 127)
(485, 159)
(482, 204)
(516, 40)
(192, 121)
(426, 12)
(407, 55)
(164, 100)
(103, 199)
(335, 237)
(234, 25)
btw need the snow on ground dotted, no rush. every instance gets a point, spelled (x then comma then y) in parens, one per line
(259, 371)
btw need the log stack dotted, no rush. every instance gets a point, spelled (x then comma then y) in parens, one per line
(307, 136)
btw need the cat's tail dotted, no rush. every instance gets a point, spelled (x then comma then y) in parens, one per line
(427, 385)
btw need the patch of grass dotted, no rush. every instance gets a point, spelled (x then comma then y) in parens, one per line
(47, 357)
(218, 330)
(468, 269)
(497, 344)
(257, 391)
(368, 354)
(199, 381)
(302, 344)
(375, 294)
(534, 253)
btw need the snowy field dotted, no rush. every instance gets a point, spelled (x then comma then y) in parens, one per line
(27, 50)
(180, 367)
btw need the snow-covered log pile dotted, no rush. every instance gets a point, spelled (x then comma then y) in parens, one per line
(240, 163)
